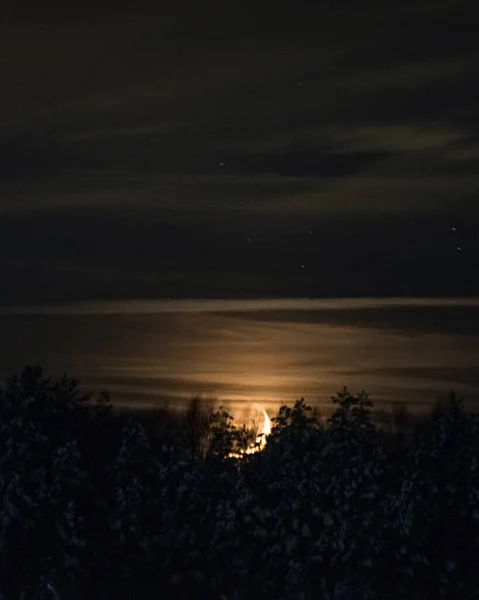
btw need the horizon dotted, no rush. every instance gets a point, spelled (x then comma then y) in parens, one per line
(175, 305)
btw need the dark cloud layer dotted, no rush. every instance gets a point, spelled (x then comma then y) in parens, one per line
(148, 253)
(238, 149)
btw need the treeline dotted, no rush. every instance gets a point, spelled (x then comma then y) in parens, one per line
(98, 505)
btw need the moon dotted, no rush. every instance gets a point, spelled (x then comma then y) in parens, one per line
(256, 413)
(266, 424)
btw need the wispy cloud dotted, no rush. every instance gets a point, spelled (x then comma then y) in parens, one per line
(262, 351)
(146, 307)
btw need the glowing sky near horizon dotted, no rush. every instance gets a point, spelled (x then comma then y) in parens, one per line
(409, 350)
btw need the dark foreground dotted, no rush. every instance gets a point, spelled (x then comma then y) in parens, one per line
(102, 505)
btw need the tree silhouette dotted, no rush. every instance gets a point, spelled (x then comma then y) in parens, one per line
(103, 504)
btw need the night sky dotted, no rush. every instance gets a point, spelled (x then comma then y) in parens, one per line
(237, 150)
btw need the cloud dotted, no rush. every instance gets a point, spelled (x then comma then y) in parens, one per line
(152, 146)
(256, 350)
(400, 137)
(216, 306)
(429, 74)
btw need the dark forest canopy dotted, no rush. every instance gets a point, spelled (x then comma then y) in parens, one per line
(100, 504)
